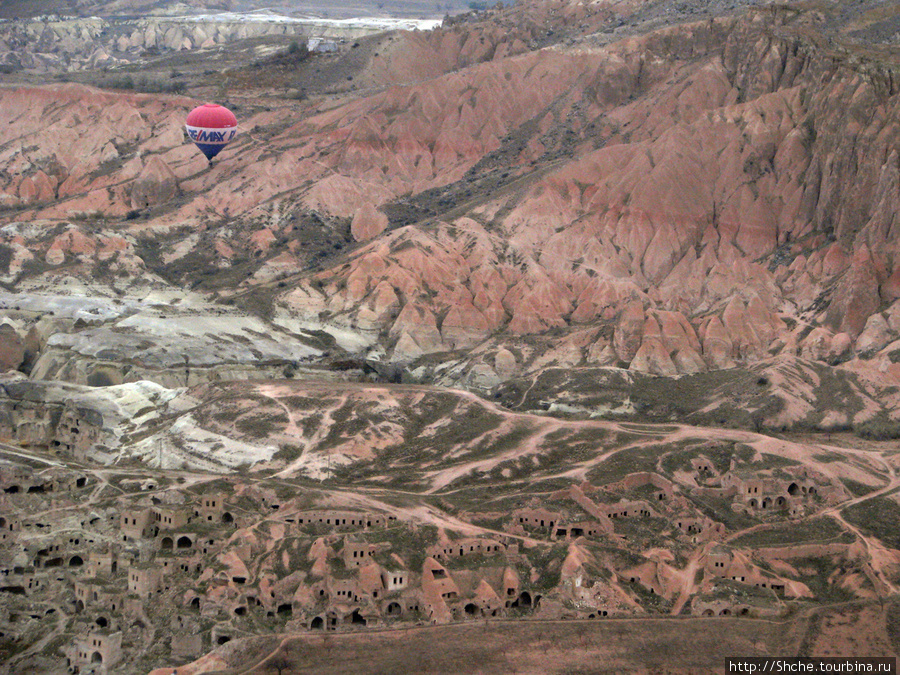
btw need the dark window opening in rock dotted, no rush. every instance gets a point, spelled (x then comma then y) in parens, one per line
(240, 611)
(471, 609)
(76, 561)
(357, 618)
(184, 542)
(222, 639)
(317, 623)
(102, 622)
(286, 609)
(99, 379)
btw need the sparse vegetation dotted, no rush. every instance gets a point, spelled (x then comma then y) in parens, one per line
(295, 54)
(568, 261)
(879, 517)
(5, 258)
(817, 573)
(821, 529)
(624, 462)
(878, 429)
(142, 84)
(858, 489)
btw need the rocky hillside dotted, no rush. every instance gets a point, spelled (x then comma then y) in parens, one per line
(562, 311)
(690, 198)
(345, 507)
(26, 9)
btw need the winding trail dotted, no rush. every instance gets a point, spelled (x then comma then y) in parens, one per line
(414, 505)
(688, 574)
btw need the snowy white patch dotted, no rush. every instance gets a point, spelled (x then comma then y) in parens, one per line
(263, 15)
(187, 445)
(164, 340)
(69, 306)
(353, 340)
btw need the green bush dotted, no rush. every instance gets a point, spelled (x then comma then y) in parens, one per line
(878, 429)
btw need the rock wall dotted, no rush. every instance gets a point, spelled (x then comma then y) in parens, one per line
(77, 44)
(698, 204)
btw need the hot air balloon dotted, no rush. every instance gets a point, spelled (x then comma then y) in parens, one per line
(211, 127)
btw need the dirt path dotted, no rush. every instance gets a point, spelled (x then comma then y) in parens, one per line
(416, 507)
(14, 451)
(688, 574)
(302, 463)
(880, 556)
(609, 629)
(101, 474)
(444, 477)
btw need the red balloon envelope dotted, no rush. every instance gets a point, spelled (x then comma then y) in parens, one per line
(211, 127)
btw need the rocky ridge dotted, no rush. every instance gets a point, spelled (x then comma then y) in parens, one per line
(560, 311)
(687, 219)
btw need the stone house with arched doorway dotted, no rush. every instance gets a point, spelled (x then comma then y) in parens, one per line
(98, 652)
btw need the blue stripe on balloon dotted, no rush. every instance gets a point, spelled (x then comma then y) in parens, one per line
(210, 149)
